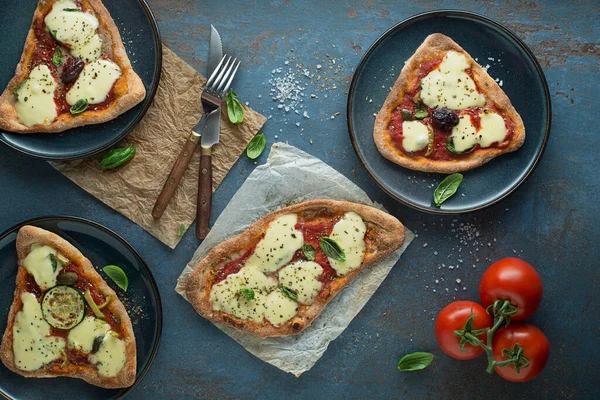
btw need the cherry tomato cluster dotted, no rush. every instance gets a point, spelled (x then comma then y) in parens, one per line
(510, 290)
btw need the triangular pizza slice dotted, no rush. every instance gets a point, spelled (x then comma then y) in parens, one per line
(445, 113)
(74, 71)
(276, 277)
(65, 320)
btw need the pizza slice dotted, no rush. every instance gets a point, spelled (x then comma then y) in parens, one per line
(74, 71)
(278, 275)
(64, 319)
(445, 113)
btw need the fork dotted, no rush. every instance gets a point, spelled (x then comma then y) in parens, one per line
(211, 99)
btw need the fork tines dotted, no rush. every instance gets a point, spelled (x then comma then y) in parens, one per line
(221, 78)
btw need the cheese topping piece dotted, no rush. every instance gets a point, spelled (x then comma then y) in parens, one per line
(76, 29)
(110, 357)
(416, 135)
(35, 97)
(82, 336)
(94, 82)
(39, 264)
(349, 233)
(464, 135)
(32, 346)
(278, 246)
(279, 308)
(492, 130)
(450, 86)
(225, 296)
(303, 278)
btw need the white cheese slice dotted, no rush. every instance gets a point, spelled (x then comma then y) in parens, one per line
(82, 336)
(450, 86)
(279, 308)
(464, 135)
(278, 246)
(111, 356)
(416, 135)
(303, 278)
(94, 82)
(32, 346)
(493, 129)
(39, 264)
(89, 51)
(35, 98)
(225, 296)
(349, 233)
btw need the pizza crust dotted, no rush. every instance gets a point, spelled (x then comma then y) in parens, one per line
(129, 88)
(433, 48)
(388, 237)
(29, 235)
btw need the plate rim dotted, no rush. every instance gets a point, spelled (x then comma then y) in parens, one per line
(142, 262)
(445, 13)
(130, 127)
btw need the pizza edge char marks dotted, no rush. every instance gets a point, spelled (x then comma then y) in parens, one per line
(445, 113)
(269, 282)
(52, 328)
(73, 71)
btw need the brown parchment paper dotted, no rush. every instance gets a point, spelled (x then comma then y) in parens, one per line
(133, 188)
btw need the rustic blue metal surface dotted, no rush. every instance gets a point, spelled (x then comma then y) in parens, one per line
(551, 221)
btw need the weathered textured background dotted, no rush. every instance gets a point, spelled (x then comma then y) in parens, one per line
(552, 220)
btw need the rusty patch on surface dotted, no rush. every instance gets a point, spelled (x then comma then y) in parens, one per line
(352, 14)
(355, 46)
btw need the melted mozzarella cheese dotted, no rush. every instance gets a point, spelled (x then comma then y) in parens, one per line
(464, 135)
(225, 296)
(492, 130)
(278, 246)
(349, 233)
(279, 308)
(35, 98)
(32, 346)
(303, 278)
(416, 135)
(82, 336)
(450, 86)
(94, 82)
(110, 357)
(39, 264)
(76, 29)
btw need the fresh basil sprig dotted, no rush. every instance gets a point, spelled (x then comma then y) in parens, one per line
(117, 157)
(248, 293)
(447, 188)
(235, 111)
(181, 230)
(117, 275)
(332, 249)
(72, 9)
(80, 106)
(289, 293)
(415, 361)
(309, 252)
(421, 111)
(57, 57)
(256, 146)
(53, 262)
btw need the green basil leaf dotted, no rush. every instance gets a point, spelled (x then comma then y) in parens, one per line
(235, 111)
(80, 106)
(249, 293)
(421, 111)
(415, 361)
(57, 57)
(332, 249)
(53, 261)
(289, 293)
(19, 86)
(72, 9)
(406, 115)
(447, 188)
(53, 33)
(117, 275)
(117, 157)
(309, 252)
(181, 230)
(256, 146)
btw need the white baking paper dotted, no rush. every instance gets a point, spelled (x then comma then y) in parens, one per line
(270, 187)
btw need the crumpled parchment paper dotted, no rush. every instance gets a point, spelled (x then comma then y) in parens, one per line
(268, 188)
(133, 188)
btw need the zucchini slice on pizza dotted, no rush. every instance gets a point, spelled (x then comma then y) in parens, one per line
(278, 275)
(74, 71)
(445, 113)
(64, 319)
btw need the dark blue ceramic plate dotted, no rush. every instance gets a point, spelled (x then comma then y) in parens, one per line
(510, 61)
(142, 41)
(142, 301)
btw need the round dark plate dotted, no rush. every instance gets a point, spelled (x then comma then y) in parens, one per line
(513, 63)
(142, 302)
(139, 32)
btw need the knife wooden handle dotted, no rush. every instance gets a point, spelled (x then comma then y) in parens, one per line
(204, 194)
(173, 179)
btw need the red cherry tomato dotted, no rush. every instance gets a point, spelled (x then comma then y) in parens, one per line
(515, 280)
(536, 349)
(453, 317)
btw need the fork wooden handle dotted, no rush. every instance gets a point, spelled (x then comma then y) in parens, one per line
(174, 177)
(204, 194)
